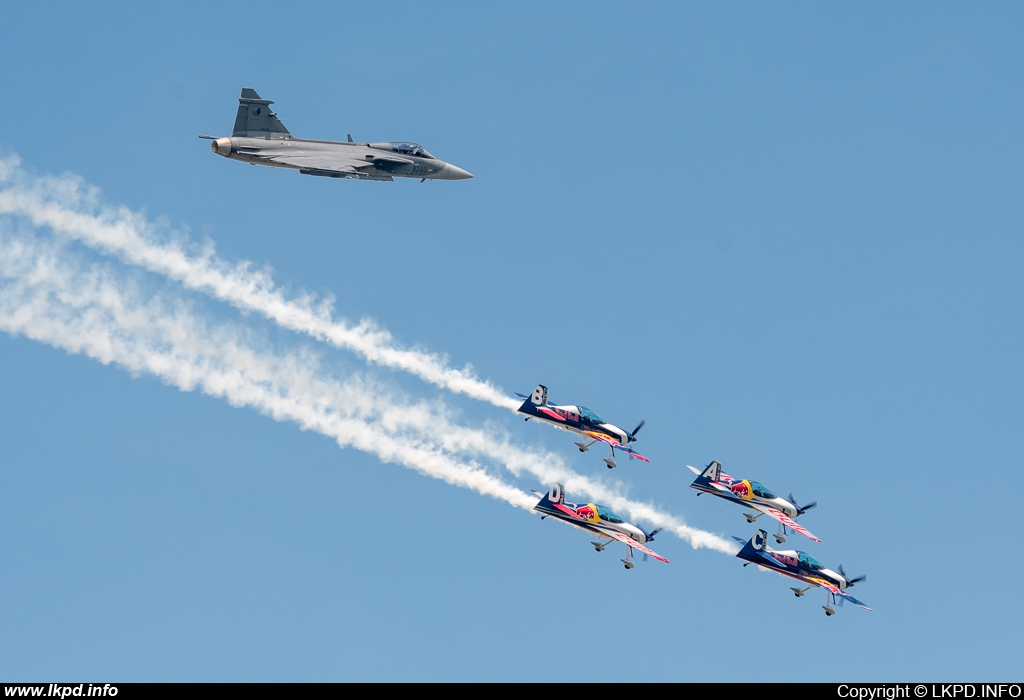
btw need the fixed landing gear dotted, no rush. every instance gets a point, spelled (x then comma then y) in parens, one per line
(751, 518)
(829, 610)
(781, 536)
(599, 546)
(627, 563)
(584, 446)
(610, 462)
(799, 592)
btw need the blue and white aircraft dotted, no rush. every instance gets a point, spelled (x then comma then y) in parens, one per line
(582, 421)
(802, 567)
(754, 495)
(599, 520)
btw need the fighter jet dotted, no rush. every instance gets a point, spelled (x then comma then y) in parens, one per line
(259, 138)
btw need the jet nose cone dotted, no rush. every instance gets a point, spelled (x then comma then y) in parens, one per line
(451, 172)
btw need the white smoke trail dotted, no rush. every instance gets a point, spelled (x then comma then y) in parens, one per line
(64, 204)
(84, 311)
(67, 205)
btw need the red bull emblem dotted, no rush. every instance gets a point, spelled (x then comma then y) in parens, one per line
(786, 559)
(588, 513)
(742, 490)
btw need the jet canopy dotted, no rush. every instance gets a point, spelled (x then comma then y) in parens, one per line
(607, 515)
(411, 149)
(588, 416)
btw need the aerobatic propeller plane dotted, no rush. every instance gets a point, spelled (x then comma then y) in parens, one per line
(754, 495)
(582, 421)
(802, 567)
(260, 138)
(599, 520)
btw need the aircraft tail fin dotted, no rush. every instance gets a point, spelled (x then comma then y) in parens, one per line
(539, 397)
(712, 472)
(755, 547)
(254, 118)
(554, 496)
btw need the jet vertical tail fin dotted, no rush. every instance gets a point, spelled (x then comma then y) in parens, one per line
(254, 118)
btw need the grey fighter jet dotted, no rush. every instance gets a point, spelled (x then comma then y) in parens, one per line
(260, 138)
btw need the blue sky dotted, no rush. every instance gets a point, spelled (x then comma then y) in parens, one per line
(786, 236)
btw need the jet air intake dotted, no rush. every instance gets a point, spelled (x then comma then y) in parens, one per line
(221, 146)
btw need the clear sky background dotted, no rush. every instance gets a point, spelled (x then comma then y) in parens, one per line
(786, 235)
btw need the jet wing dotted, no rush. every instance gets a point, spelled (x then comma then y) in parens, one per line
(321, 163)
(784, 519)
(614, 534)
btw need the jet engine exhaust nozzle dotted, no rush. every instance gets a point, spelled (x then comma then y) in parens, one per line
(221, 146)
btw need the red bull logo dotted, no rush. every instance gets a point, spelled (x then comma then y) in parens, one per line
(588, 513)
(786, 559)
(742, 490)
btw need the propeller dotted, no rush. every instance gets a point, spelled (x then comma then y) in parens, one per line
(652, 533)
(632, 435)
(800, 510)
(851, 581)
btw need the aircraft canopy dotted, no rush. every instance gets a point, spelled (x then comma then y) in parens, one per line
(809, 562)
(607, 515)
(411, 149)
(588, 416)
(761, 490)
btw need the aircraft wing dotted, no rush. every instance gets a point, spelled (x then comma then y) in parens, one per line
(634, 544)
(784, 519)
(616, 444)
(853, 600)
(324, 163)
(632, 453)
